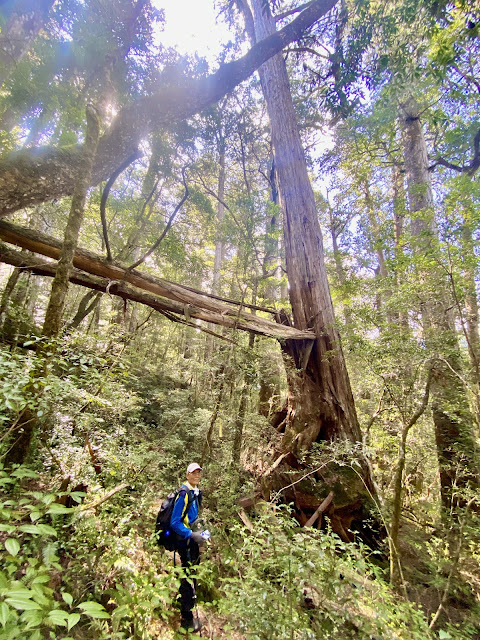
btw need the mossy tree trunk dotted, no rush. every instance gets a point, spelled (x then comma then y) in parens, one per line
(27, 422)
(452, 417)
(56, 303)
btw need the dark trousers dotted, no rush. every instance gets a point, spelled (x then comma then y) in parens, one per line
(189, 556)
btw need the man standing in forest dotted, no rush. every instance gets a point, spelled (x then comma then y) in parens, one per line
(184, 515)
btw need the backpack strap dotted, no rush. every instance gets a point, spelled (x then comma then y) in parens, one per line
(188, 502)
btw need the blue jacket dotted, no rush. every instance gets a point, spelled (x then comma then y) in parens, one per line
(180, 521)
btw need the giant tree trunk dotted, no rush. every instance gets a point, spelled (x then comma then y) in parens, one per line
(320, 403)
(453, 420)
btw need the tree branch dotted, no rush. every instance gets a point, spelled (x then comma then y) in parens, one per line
(103, 202)
(291, 12)
(165, 231)
(469, 169)
(30, 177)
(107, 496)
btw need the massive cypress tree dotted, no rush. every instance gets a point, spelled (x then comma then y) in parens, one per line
(320, 401)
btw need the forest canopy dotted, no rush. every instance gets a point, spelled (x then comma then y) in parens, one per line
(263, 261)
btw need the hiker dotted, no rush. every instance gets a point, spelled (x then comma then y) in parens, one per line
(188, 542)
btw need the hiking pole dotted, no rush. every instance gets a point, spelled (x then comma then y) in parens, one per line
(196, 607)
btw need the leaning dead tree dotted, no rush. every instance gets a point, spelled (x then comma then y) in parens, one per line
(179, 303)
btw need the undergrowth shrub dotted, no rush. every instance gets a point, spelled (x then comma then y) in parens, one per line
(279, 581)
(34, 603)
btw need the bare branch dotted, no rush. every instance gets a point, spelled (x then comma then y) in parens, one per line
(291, 12)
(107, 496)
(165, 231)
(307, 50)
(103, 202)
(469, 169)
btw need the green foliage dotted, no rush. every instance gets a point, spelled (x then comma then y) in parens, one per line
(143, 400)
(32, 524)
(305, 584)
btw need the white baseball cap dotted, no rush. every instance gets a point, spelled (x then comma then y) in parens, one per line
(193, 467)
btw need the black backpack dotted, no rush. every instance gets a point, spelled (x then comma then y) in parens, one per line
(165, 536)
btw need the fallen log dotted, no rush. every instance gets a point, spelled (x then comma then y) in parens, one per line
(92, 276)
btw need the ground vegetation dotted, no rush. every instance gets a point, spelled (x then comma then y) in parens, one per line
(274, 275)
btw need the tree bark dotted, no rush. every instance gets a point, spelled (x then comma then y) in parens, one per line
(28, 177)
(87, 304)
(239, 424)
(16, 322)
(208, 444)
(219, 245)
(323, 395)
(471, 323)
(395, 559)
(7, 292)
(399, 208)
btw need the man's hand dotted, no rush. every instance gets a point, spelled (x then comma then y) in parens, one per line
(197, 537)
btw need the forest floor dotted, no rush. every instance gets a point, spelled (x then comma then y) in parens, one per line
(92, 570)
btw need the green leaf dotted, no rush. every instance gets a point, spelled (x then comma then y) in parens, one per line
(47, 530)
(8, 528)
(12, 545)
(23, 472)
(68, 598)
(58, 617)
(56, 508)
(78, 495)
(93, 609)
(24, 604)
(49, 554)
(41, 579)
(73, 618)
(35, 515)
(30, 528)
(33, 618)
(4, 581)
(4, 613)
(120, 612)
(40, 596)
(21, 593)
(444, 635)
